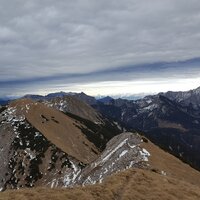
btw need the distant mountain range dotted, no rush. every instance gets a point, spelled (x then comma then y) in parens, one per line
(171, 120)
(82, 96)
(4, 101)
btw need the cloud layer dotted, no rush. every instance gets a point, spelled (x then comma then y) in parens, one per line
(71, 42)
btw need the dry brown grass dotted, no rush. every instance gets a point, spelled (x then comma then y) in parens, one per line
(134, 184)
(163, 161)
(79, 108)
(58, 128)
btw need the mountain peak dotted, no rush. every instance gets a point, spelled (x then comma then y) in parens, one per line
(106, 99)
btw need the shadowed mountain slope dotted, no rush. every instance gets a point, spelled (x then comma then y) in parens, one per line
(171, 120)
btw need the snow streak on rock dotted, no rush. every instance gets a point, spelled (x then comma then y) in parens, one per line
(121, 153)
(27, 157)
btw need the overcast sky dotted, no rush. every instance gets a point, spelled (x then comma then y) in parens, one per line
(99, 46)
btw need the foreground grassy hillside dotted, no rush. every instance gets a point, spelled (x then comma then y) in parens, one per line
(131, 184)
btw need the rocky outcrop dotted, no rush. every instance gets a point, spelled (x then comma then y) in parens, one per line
(122, 152)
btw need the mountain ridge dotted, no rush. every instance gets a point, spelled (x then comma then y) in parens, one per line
(163, 118)
(64, 141)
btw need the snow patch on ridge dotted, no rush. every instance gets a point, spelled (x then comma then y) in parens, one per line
(61, 105)
(122, 152)
(113, 151)
(145, 154)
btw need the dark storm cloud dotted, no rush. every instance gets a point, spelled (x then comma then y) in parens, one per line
(165, 71)
(87, 40)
